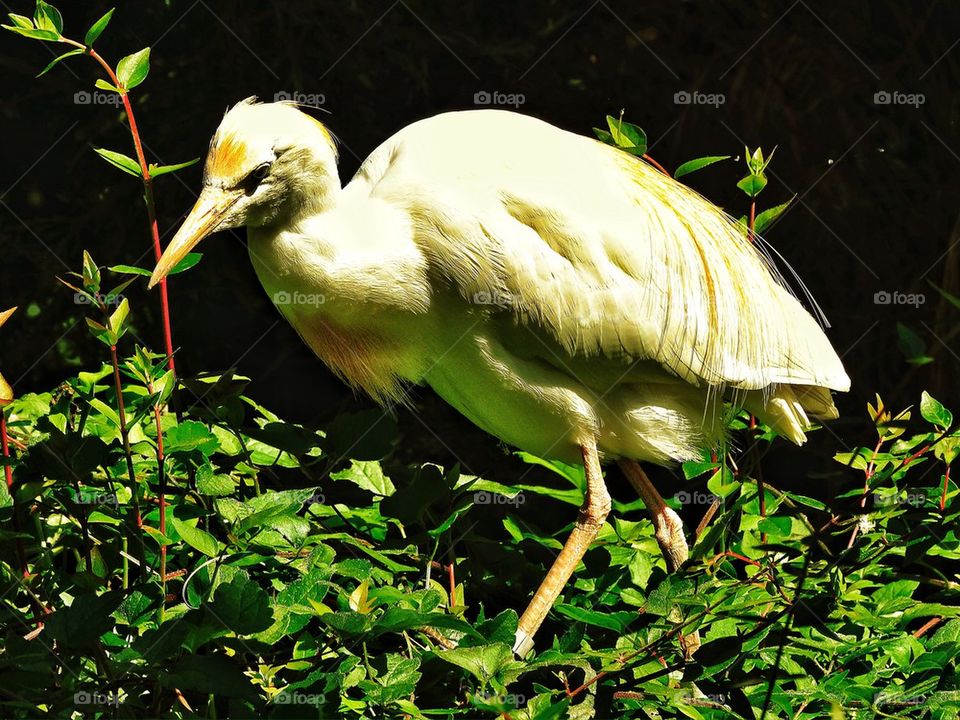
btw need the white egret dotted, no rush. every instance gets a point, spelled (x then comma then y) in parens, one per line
(563, 295)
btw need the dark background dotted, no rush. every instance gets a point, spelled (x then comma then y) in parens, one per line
(877, 183)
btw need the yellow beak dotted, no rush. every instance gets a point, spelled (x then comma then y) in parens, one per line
(205, 218)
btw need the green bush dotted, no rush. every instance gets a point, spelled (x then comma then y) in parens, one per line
(173, 549)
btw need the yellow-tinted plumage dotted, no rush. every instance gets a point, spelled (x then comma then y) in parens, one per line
(563, 295)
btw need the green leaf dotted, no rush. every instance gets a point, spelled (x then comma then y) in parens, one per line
(696, 468)
(164, 386)
(85, 620)
(189, 260)
(947, 450)
(99, 331)
(91, 274)
(351, 623)
(132, 70)
(776, 526)
(118, 319)
(397, 619)
(753, 185)
(105, 410)
(104, 85)
(502, 628)
(912, 345)
(952, 299)
(755, 161)
(723, 482)
(158, 170)
(130, 270)
(97, 28)
(196, 538)
(242, 606)
(612, 621)
(934, 412)
(190, 435)
(399, 680)
(209, 483)
(483, 662)
(627, 136)
(19, 21)
(58, 59)
(160, 538)
(765, 219)
(604, 136)
(698, 164)
(47, 17)
(368, 475)
(33, 33)
(119, 160)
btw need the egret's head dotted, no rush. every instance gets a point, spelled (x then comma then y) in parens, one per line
(267, 162)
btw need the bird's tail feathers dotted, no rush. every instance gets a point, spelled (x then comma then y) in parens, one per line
(788, 409)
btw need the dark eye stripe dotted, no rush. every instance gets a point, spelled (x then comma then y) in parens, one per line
(252, 181)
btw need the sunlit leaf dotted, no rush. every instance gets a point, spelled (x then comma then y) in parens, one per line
(97, 28)
(133, 69)
(57, 60)
(158, 170)
(119, 160)
(698, 164)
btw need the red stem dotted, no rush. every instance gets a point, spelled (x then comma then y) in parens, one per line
(657, 165)
(8, 473)
(162, 477)
(753, 213)
(868, 473)
(147, 193)
(7, 470)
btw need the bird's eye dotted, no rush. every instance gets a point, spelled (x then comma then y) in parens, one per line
(256, 176)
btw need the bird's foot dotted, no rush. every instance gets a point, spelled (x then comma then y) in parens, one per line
(668, 530)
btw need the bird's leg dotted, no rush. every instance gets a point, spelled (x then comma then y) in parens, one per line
(667, 529)
(667, 526)
(595, 508)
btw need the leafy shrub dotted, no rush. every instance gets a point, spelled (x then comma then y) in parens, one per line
(173, 548)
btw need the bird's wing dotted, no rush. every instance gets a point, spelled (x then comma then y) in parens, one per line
(606, 253)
